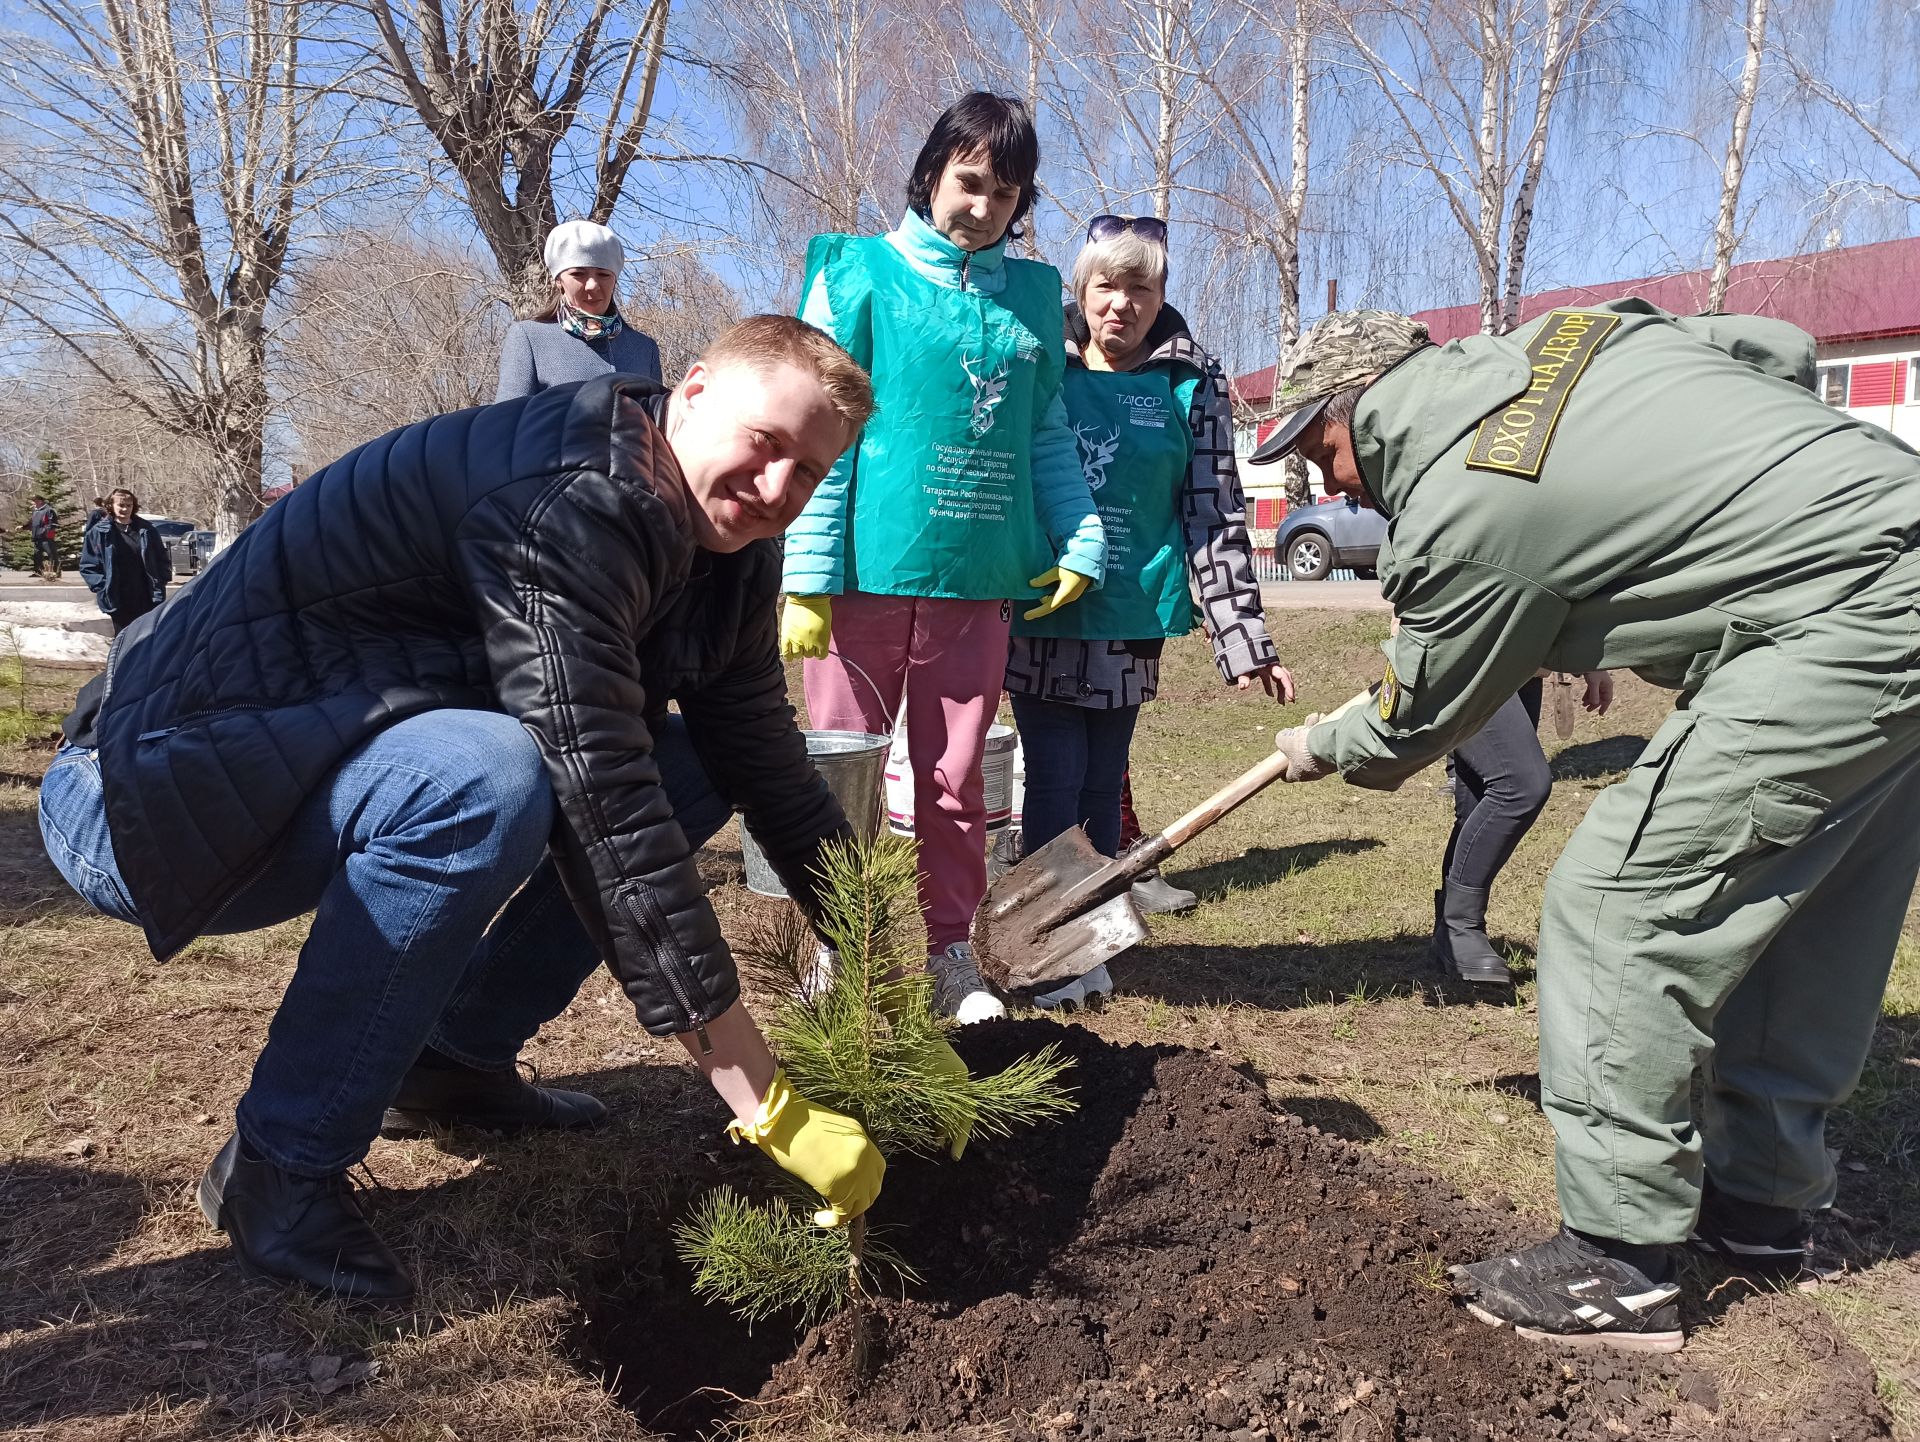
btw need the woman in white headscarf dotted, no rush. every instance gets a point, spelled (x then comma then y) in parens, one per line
(580, 335)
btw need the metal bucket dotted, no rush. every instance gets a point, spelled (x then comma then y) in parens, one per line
(853, 763)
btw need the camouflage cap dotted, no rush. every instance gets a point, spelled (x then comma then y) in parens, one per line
(1339, 350)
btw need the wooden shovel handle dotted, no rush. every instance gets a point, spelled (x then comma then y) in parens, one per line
(1248, 784)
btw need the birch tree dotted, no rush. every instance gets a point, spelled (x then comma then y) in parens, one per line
(828, 99)
(502, 92)
(167, 153)
(1877, 107)
(1471, 89)
(1726, 236)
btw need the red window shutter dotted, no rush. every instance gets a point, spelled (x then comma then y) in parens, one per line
(1872, 385)
(1900, 369)
(1265, 429)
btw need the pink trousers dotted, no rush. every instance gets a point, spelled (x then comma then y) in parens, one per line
(951, 656)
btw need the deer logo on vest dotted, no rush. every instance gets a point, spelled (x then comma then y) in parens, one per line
(988, 391)
(1097, 448)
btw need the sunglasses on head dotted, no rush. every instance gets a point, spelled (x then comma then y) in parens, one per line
(1147, 227)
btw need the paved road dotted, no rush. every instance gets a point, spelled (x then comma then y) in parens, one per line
(1278, 595)
(14, 587)
(1323, 596)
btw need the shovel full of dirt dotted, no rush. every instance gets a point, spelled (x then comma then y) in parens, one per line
(1067, 909)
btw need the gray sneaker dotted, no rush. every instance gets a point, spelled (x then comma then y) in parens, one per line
(1087, 992)
(958, 990)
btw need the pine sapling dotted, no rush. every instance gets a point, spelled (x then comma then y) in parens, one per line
(859, 1035)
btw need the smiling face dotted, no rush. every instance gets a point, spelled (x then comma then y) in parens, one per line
(971, 206)
(587, 289)
(753, 445)
(121, 505)
(1120, 310)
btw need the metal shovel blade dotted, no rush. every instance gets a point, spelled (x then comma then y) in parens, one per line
(1012, 941)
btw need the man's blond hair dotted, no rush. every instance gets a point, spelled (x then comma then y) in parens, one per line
(761, 341)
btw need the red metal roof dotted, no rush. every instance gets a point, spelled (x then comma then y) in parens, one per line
(1859, 292)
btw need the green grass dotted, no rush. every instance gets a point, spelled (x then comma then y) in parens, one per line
(1307, 960)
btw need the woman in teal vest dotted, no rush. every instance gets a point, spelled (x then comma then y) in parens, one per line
(963, 495)
(1154, 429)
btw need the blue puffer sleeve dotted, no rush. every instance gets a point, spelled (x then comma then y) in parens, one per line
(1061, 496)
(816, 560)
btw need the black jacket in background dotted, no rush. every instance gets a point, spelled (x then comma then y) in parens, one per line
(531, 557)
(117, 587)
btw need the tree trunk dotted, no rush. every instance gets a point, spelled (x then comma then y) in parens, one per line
(1725, 235)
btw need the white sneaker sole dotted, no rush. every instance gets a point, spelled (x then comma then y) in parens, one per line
(980, 1006)
(1585, 1341)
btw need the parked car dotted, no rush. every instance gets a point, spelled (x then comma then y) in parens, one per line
(1316, 541)
(181, 550)
(202, 549)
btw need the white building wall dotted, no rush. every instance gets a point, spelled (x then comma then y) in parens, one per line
(1901, 416)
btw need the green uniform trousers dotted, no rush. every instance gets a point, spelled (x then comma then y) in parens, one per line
(1733, 907)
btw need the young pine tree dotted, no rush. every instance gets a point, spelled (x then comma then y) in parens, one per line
(49, 478)
(862, 1038)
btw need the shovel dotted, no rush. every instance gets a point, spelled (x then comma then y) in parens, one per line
(1067, 909)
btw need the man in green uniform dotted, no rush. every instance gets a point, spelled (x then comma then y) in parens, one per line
(1620, 487)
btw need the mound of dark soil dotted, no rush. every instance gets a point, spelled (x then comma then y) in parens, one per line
(1181, 1260)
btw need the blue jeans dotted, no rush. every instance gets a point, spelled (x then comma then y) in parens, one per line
(1075, 758)
(405, 854)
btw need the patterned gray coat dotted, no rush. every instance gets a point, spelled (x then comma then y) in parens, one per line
(1111, 674)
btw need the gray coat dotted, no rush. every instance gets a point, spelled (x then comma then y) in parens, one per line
(1111, 674)
(540, 353)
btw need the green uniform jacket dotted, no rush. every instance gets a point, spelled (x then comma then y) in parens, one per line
(1694, 482)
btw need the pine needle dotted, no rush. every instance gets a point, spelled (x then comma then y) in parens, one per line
(864, 1041)
(761, 1261)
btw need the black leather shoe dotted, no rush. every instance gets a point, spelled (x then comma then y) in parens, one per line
(1157, 896)
(1460, 938)
(439, 1094)
(299, 1229)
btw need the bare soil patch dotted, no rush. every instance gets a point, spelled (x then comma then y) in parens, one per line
(1186, 1260)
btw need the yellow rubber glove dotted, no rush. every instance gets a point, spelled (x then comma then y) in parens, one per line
(1068, 587)
(829, 1152)
(942, 1058)
(805, 624)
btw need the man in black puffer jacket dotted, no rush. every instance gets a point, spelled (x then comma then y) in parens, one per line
(441, 668)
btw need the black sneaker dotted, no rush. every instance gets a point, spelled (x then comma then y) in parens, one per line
(1567, 1290)
(1762, 1241)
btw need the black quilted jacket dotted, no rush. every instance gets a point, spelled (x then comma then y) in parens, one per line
(531, 557)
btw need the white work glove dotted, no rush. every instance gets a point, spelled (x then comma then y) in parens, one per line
(1302, 764)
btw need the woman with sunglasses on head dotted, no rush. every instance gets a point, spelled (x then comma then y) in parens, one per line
(1154, 428)
(963, 498)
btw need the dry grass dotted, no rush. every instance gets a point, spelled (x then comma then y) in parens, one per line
(122, 1315)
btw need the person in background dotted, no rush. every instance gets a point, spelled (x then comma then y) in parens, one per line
(580, 334)
(123, 560)
(964, 492)
(44, 527)
(96, 511)
(1501, 783)
(1154, 429)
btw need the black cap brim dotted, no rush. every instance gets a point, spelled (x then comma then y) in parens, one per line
(1280, 444)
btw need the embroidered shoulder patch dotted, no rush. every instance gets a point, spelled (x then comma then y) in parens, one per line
(1389, 694)
(1514, 440)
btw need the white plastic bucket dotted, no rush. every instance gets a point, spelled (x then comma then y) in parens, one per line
(852, 763)
(1003, 775)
